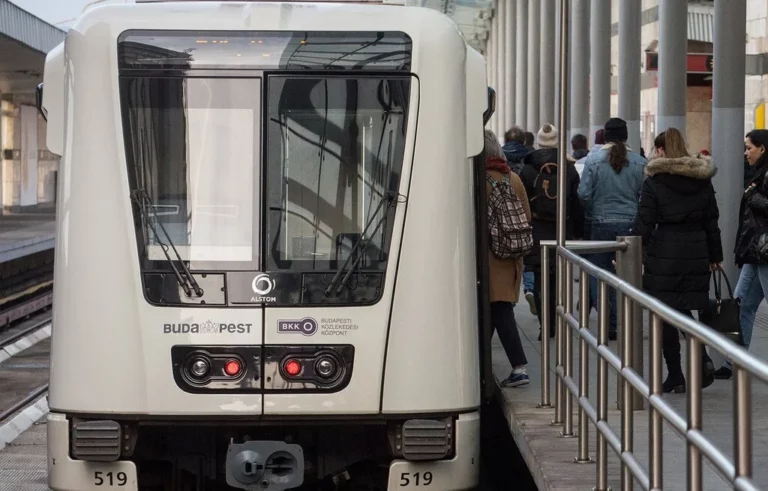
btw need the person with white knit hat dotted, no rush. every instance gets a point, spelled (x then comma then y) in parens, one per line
(539, 175)
(547, 137)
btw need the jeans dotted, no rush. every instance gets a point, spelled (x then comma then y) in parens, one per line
(750, 289)
(503, 320)
(606, 231)
(528, 281)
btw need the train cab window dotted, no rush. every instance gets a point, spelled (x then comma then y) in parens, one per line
(193, 149)
(334, 157)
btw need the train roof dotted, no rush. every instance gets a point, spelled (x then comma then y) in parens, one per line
(429, 30)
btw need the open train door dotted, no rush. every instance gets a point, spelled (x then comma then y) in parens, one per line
(485, 329)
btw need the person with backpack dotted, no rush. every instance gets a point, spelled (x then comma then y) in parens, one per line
(539, 176)
(510, 238)
(610, 192)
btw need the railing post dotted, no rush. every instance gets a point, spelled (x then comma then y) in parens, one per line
(583, 456)
(602, 386)
(545, 402)
(559, 386)
(567, 335)
(742, 422)
(630, 269)
(694, 377)
(656, 433)
(627, 424)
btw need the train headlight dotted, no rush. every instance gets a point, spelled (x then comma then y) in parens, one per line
(199, 368)
(326, 367)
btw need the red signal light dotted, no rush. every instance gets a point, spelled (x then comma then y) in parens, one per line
(292, 368)
(232, 368)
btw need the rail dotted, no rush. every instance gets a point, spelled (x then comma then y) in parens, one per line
(745, 367)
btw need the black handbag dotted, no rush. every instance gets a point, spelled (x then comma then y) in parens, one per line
(722, 314)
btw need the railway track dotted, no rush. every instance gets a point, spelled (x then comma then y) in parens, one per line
(25, 321)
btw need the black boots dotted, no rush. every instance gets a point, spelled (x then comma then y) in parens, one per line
(675, 381)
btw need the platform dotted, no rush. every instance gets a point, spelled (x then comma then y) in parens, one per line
(25, 235)
(551, 457)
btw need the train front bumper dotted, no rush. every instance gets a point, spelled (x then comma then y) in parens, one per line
(65, 474)
(460, 473)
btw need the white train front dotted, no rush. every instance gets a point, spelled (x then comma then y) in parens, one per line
(265, 270)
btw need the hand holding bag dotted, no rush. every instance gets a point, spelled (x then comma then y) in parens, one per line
(721, 314)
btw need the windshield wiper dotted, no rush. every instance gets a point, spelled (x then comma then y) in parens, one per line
(140, 197)
(391, 200)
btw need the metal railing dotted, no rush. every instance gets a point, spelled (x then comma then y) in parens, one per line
(628, 366)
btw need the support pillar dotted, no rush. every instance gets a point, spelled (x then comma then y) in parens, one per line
(600, 64)
(580, 69)
(521, 65)
(490, 60)
(673, 74)
(629, 69)
(501, 13)
(532, 123)
(510, 58)
(728, 119)
(547, 62)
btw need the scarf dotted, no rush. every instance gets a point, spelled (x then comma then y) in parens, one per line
(498, 164)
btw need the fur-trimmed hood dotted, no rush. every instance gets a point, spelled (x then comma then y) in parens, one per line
(695, 167)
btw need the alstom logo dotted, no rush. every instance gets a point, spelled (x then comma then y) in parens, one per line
(262, 285)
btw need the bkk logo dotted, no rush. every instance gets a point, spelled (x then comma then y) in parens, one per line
(307, 326)
(262, 285)
(207, 327)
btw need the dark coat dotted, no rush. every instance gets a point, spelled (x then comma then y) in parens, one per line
(753, 216)
(677, 220)
(546, 229)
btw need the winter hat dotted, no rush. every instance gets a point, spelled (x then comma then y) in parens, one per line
(600, 137)
(615, 130)
(547, 136)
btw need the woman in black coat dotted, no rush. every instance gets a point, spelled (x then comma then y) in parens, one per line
(677, 220)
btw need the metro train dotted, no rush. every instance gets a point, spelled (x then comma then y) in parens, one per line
(271, 254)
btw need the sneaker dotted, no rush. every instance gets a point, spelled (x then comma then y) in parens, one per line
(517, 378)
(531, 302)
(723, 373)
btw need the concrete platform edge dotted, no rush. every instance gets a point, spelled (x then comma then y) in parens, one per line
(508, 407)
(23, 421)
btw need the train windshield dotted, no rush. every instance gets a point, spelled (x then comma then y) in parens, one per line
(335, 150)
(194, 148)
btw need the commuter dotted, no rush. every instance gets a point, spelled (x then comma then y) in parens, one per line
(579, 146)
(681, 241)
(505, 274)
(599, 142)
(610, 191)
(529, 141)
(752, 286)
(514, 148)
(539, 176)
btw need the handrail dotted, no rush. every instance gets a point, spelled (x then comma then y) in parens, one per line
(736, 471)
(710, 337)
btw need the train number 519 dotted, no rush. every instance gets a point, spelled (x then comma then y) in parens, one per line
(418, 478)
(110, 478)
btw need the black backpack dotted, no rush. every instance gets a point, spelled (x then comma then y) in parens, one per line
(544, 201)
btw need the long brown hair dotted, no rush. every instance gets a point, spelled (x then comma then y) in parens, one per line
(617, 156)
(672, 142)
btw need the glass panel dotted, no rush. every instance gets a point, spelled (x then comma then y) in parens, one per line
(334, 156)
(193, 146)
(304, 50)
